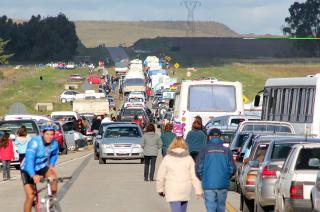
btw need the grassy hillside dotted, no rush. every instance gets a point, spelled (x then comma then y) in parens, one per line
(29, 89)
(113, 33)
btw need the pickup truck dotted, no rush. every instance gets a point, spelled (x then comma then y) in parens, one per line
(91, 102)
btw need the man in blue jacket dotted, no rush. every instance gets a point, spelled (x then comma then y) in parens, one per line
(214, 168)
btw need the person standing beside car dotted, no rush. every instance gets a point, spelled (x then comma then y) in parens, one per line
(21, 142)
(151, 144)
(176, 176)
(167, 138)
(6, 154)
(214, 168)
(196, 139)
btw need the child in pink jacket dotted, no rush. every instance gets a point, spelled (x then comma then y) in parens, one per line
(6, 154)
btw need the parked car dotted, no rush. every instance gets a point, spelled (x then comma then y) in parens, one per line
(121, 142)
(247, 173)
(76, 77)
(94, 80)
(74, 139)
(68, 96)
(298, 176)
(276, 154)
(127, 114)
(230, 121)
(11, 126)
(315, 195)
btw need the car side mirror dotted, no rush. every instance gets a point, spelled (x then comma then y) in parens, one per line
(99, 137)
(254, 163)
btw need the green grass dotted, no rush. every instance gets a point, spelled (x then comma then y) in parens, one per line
(252, 76)
(30, 90)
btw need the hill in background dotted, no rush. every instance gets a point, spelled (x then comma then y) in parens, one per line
(113, 33)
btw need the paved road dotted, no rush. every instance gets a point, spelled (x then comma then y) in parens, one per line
(117, 186)
(117, 53)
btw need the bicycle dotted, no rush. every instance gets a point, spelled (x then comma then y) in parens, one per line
(48, 202)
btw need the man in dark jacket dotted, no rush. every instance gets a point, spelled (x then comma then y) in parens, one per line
(214, 168)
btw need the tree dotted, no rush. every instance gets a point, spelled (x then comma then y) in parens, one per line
(3, 58)
(304, 21)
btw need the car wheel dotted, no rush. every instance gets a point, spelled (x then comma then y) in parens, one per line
(259, 208)
(102, 160)
(63, 100)
(248, 205)
(142, 161)
(17, 167)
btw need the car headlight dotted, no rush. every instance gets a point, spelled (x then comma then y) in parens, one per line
(107, 145)
(136, 146)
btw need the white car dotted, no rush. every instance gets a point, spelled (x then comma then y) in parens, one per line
(298, 176)
(68, 96)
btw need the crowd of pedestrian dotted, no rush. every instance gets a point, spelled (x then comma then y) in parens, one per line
(201, 161)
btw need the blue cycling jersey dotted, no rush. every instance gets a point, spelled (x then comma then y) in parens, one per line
(39, 155)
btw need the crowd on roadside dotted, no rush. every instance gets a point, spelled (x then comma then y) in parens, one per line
(200, 161)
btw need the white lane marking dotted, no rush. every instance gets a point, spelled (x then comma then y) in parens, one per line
(74, 159)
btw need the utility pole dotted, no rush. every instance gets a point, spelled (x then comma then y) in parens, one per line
(190, 5)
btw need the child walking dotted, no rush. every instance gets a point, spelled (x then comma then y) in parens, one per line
(6, 154)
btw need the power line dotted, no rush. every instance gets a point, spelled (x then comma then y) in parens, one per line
(190, 5)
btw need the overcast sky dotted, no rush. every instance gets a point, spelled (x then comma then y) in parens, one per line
(243, 16)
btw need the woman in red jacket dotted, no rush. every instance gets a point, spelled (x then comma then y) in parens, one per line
(6, 154)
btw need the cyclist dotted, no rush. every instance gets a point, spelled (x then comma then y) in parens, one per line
(41, 156)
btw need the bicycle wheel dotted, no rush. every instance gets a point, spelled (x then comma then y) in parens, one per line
(53, 206)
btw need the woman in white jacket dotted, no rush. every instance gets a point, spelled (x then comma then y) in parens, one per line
(176, 176)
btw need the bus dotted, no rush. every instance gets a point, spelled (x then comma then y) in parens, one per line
(207, 99)
(295, 100)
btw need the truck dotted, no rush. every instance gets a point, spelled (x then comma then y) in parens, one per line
(91, 102)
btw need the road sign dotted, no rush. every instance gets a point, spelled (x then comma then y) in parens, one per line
(176, 65)
(168, 58)
(245, 99)
(18, 108)
(86, 86)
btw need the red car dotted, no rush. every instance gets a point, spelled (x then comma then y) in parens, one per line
(94, 80)
(59, 136)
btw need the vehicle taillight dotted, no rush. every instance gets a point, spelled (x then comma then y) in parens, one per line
(296, 190)
(251, 179)
(266, 173)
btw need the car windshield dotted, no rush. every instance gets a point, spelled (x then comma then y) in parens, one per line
(134, 82)
(116, 132)
(239, 140)
(13, 126)
(64, 117)
(281, 151)
(212, 98)
(132, 112)
(266, 128)
(309, 159)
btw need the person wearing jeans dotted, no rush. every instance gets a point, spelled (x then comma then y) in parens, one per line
(215, 167)
(149, 161)
(151, 144)
(215, 200)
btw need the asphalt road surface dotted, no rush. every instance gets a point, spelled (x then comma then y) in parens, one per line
(117, 53)
(117, 186)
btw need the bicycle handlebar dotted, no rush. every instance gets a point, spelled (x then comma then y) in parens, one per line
(59, 179)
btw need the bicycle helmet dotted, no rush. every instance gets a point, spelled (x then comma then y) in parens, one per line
(47, 127)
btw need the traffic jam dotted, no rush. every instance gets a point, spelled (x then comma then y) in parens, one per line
(274, 139)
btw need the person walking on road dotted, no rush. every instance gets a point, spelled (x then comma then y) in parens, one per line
(176, 176)
(151, 144)
(21, 142)
(167, 138)
(6, 154)
(214, 168)
(196, 139)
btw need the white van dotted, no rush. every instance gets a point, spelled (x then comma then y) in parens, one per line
(57, 115)
(207, 99)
